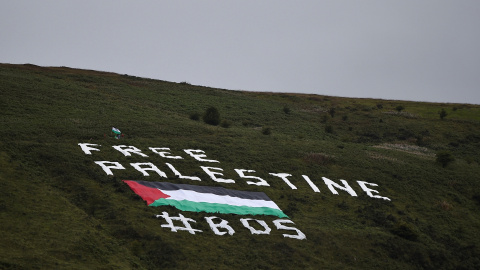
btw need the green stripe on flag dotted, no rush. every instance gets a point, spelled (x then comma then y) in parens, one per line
(186, 205)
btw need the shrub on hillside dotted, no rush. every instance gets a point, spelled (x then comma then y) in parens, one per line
(442, 114)
(476, 198)
(212, 116)
(444, 158)
(405, 230)
(195, 116)
(266, 131)
(331, 111)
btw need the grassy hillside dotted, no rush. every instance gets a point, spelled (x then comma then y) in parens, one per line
(60, 210)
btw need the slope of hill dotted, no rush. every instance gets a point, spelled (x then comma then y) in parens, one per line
(60, 209)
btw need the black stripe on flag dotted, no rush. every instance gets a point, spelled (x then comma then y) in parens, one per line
(204, 189)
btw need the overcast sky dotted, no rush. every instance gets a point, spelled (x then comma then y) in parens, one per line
(421, 50)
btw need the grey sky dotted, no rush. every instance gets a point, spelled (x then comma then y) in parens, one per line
(422, 50)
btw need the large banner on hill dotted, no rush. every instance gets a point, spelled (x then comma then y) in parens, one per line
(209, 199)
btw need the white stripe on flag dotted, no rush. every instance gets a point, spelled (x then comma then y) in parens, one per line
(194, 196)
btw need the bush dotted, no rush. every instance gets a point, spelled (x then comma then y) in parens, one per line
(266, 131)
(399, 108)
(444, 158)
(212, 116)
(286, 110)
(195, 116)
(442, 114)
(331, 111)
(405, 231)
(328, 129)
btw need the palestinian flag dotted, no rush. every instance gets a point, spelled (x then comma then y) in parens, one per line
(205, 199)
(116, 130)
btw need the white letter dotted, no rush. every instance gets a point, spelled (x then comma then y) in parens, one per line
(280, 226)
(86, 147)
(150, 168)
(223, 224)
(260, 182)
(184, 220)
(331, 184)
(180, 175)
(253, 230)
(369, 191)
(312, 185)
(164, 153)
(128, 150)
(284, 176)
(214, 178)
(198, 157)
(106, 168)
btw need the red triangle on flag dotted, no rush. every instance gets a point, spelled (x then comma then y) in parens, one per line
(148, 194)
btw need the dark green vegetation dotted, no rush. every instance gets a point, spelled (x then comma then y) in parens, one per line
(59, 210)
(212, 116)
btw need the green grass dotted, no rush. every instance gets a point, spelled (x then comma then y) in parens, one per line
(60, 210)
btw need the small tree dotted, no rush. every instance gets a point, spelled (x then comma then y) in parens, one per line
(212, 116)
(444, 158)
(331, 111)
(442, 114)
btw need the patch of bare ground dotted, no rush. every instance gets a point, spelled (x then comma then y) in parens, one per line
(404, 114)
(315, 109)
(408, 148)
(319, 158)
(375, 155)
